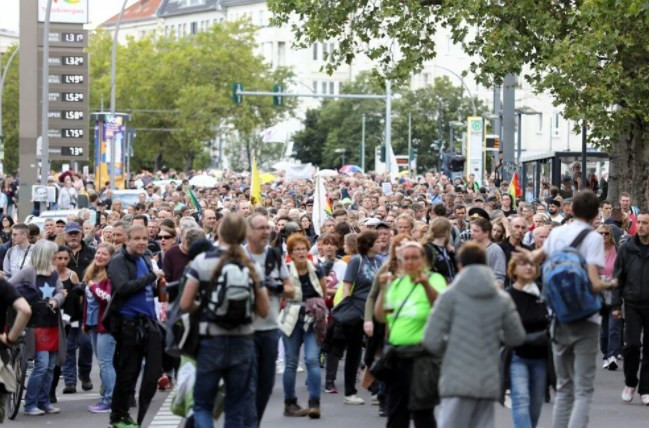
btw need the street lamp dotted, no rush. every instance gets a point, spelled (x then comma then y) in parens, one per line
(341, 152)
(528, 111)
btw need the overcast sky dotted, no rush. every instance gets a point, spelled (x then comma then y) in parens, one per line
(100, 10)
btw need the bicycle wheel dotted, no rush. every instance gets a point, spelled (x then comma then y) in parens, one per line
(19, 362)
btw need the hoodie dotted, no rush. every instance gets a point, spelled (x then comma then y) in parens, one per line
(469, 323)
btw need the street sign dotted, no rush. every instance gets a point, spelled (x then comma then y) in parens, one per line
(68, 111)
(236, 88)
(278, 100)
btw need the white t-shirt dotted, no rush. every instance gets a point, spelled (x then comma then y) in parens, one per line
(591, 248)
(271, 321)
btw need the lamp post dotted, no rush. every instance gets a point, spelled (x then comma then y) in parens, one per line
(341, 151)
(363, 144)
(520, 112)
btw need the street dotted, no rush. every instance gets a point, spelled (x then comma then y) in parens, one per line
(607, 409)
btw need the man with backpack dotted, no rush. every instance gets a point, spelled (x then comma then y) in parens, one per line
(19, 255)
(267, 334)
(575, 254)
(632, 272)
(131, 319)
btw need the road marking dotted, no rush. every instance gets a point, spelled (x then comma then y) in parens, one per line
(164, 418)
(62, 398)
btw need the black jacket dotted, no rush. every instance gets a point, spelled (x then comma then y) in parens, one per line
(82, 260)
(122, 272)
(632, 271)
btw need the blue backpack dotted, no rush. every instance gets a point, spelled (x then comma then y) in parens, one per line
(566, 286)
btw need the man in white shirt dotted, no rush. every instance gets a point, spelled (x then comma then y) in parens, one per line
(574, 345)
(19, 255)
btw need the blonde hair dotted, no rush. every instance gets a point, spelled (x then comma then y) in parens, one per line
(42, 256)
(94, 272)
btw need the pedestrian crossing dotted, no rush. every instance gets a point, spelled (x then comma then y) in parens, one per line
(164, 418)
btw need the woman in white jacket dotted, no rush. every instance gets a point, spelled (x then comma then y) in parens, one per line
(303, 322)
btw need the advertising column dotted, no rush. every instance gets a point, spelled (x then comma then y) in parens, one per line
(109, 128)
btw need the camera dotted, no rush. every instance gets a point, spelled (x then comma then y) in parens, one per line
(274, 285)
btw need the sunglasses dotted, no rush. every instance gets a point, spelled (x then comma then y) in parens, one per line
(604, 233)
(166, 236)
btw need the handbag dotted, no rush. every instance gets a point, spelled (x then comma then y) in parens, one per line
(350, 310)
(381, 368)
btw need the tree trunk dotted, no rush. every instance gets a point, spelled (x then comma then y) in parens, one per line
(629, 167)
(158, 161)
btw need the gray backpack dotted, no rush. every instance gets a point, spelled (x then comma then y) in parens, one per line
(231, 297)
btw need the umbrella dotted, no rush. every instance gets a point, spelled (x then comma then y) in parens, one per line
(203, 181)
(267, 177)
(350, 169)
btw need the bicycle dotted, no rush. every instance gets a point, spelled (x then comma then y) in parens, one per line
(18, 361)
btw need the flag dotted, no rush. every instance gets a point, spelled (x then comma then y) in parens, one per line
(514, 188)
(192, 198)
(298, 172)
(255, 185)
(394, 167)
(321, 204)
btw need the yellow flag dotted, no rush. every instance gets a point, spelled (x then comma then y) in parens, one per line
(255, 185)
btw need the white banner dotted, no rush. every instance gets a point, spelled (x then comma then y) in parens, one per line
(299, 172)
(64, 11)
(319, 204)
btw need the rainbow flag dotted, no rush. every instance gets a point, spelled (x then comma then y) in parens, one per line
(514, 188)
(192, 198)
(328, 208)
(255, 185)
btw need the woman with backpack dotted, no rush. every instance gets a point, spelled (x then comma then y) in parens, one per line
(303, 321)
(440, 259)
(226, 346)
(103, 343)
(41, 286)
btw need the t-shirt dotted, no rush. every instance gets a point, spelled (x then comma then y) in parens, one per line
(142, 302)
(173, 263)
(408, 329)
(202, 270)
(308, 291)
(271, 321)
(496, 261)
(8, 295)
(591, 248)
(360, 272)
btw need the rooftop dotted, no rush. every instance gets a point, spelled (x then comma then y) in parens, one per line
(184, 7)
(143, 10)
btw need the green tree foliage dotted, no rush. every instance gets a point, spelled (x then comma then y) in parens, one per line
(10, 111)
(188, 81)
(337, 124)
(591, 55)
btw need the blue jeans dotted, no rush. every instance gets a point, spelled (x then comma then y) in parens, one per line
(266, 356)
(610, 334)
(528, 390)
(104, 346)
(77, 339)
(292, 346)
(37, 394)
(231, 358)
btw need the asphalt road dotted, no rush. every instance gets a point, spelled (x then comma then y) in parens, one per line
(607, 410)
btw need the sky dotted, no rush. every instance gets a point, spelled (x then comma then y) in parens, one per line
(100, 10)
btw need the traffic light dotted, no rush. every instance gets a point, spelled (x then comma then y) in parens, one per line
(383, 153)
(492, 141)
(413, 154)
(236, 88)
(278, 100)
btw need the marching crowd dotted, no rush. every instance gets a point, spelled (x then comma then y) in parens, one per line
(439, 296)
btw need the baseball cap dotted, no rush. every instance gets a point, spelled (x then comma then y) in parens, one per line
(375, 222)
(72, 227)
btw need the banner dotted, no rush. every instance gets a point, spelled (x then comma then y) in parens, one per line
(299, 172)
(64, 11)
(320, 204)
(475, 147)
(255, 185)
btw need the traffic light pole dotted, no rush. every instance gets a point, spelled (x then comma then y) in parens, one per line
(238, 95)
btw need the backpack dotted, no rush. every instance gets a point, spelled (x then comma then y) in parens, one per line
(566, 286)
(431, 256)
(230, 298)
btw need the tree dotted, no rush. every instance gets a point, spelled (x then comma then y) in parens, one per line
(590, 55)
(185, 87)
(337, 124)
(10, 119)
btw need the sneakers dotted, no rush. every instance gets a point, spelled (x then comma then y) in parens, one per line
(605, 364)
(52, 410)
(294, 410)
(331, 388)
(300, 368)
(86, 383)
(354, 399)
(382, 412)
(99, 408)
(70, 389)
(314, 409)
(164, 383)
(34, 412)
(644, 399)
(612, 364)
(627, 394)
(279, 369)
(124, 423)
(375, 400)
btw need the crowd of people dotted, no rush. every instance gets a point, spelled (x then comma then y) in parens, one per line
(426, 289)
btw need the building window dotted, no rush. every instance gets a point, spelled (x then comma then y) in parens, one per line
(315, 87)
(324, 51)
(539, 123)
(426, 78)
(260, 18)
(281, 54)
(315, 51)
(556, 121)
(324, 87)
(194, 27)
(331, 87)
